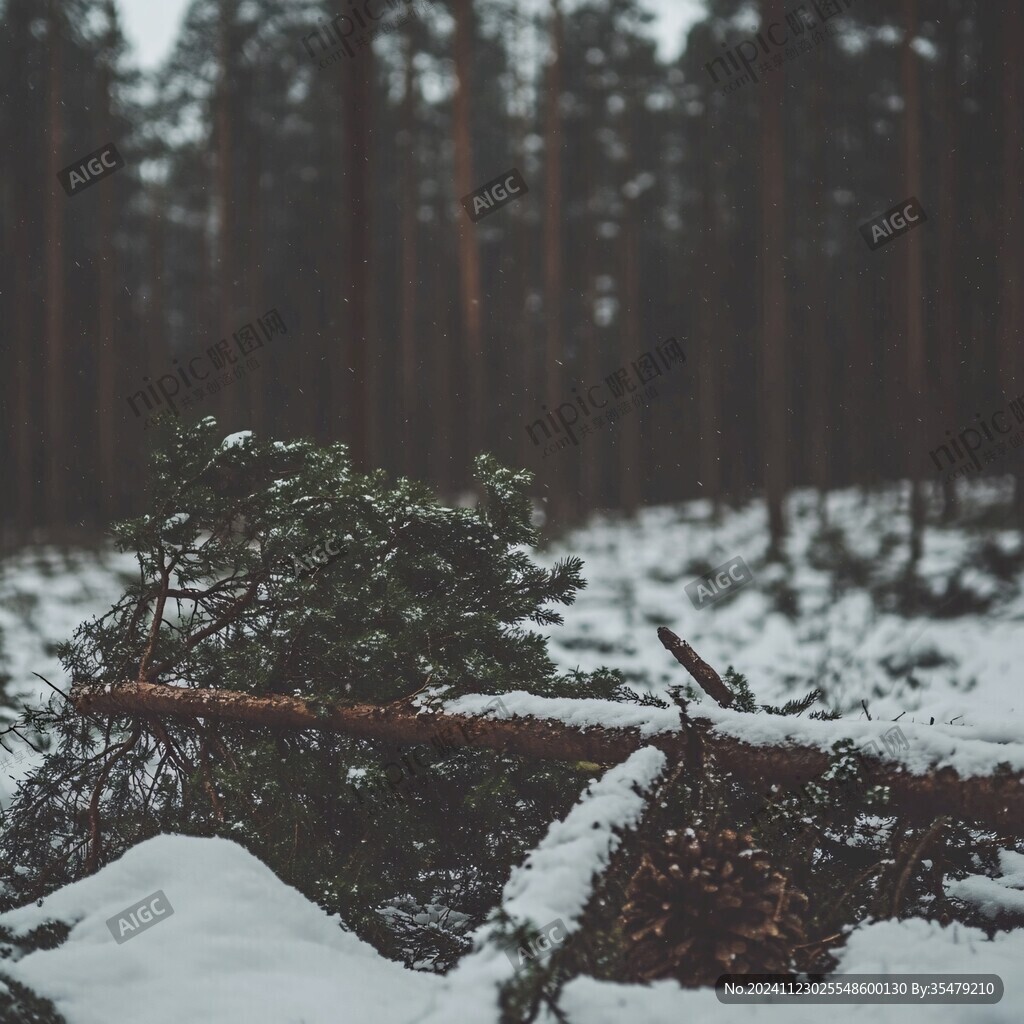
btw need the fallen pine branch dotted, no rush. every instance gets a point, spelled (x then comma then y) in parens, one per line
(708, 679)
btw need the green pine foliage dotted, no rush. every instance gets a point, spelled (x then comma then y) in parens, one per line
(18, 1004)
(272, 568)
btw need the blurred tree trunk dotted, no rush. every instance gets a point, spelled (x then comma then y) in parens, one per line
(57, 399)
(355, 84)
(913, 290)
(709, 318)
(443, 417)
(253, 384)
(558, 472)
(1011, 258)
(411, 448)
(469, 253)
(629, 347)
(948, 231)
(591, 463)
(24, 384)
(108, 372)
(818, 380)
(526, 345)
(774, 400)
(155, 322)
(227, 250)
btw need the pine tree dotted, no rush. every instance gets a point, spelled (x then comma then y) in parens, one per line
(271, 568)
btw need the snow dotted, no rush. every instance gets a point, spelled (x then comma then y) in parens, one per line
(554, 883)
(240, 946)
(556, 879)
(608, 714)
(970, 750)
(45, 593)
(636, 572)
(236, 440)
(885, 947)
(994, 896)
(243, 946)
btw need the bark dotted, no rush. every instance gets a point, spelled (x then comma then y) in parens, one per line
(917, 409)
(25, 378)
(556, 472)
(407, 347)
(710, 312)
(108, 368)
(399, 723)
(948, 229)
(774, 325)
(59, 451)
(349, 376)
(818, 382)
(227, 249)
(995, 802)
(1010, 261)
(708, 679)
(469, 254)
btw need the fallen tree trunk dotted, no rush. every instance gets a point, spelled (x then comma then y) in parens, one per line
(995, 801)
(398, 723)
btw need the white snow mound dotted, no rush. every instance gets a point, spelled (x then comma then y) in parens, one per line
(240, 946)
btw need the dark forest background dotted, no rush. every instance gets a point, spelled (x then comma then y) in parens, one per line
(659, 206)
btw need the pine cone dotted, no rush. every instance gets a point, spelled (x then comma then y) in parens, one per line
(701, 906)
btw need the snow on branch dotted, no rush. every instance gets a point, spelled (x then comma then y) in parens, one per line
(551, 887)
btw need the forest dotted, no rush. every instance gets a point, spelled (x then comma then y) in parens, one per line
(512, 510)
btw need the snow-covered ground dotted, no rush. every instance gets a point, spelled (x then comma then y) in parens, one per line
(241, 946)
(964, 669)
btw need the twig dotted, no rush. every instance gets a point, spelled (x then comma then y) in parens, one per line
(92, 860)
(864, 705)
(420, 690)
(209, 630)
(937, 825)
(708, 679)
(819, 942)
(158, 617)
(853, 885)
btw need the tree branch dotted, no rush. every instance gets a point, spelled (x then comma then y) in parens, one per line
(710, 681)
(995, 801)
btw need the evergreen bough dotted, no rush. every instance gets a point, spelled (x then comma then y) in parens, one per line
(266, 568)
